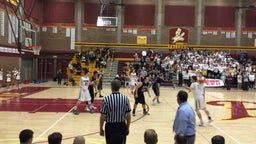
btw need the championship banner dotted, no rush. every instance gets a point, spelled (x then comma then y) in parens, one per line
(213, 83)
(178, 35)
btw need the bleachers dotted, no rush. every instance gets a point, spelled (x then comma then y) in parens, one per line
(120, 67)
(76, 75)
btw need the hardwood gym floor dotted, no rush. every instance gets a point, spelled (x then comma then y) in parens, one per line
(45, 108)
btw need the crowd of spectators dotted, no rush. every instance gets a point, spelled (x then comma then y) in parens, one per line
(92, 59)
(178, 66)
(99, 56)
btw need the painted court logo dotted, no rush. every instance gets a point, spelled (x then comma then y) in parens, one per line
(238, 109)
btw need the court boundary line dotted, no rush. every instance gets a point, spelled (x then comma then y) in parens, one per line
(224, 132)
(50, 127)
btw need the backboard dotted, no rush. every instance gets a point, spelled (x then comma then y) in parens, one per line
(27, 36)
(107, 21)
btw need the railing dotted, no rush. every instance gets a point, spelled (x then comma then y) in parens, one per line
(163, 46)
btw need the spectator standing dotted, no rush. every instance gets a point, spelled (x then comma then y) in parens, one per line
(251, 79)
(239, 80)
(115, 113)
(9, 80)
(185, 119)
(1, 76)
(229, 81)
(245, 82)
(59, 76)
(143, 73)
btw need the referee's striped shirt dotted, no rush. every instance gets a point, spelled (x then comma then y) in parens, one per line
(115, 106)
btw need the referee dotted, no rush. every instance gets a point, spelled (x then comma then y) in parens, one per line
(115, 111)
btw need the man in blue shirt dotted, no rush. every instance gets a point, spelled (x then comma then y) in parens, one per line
(185, 120)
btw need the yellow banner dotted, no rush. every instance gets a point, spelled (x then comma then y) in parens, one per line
(141, 39)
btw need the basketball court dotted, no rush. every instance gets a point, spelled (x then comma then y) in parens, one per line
(45, 108)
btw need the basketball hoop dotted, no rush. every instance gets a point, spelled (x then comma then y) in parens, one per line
(36, 49)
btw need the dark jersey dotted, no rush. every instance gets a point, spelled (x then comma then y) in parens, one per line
(143, 88)
(157, 81)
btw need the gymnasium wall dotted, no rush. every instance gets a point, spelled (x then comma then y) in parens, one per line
(218, 15)
(54, 20)
(8, 63)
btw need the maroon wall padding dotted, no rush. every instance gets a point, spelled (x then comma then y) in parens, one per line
(219, 16)
(59, 12)
(179, 15)
(91, 13)
(250, 18)
(32, 8)
(124, 55)
(139, 15)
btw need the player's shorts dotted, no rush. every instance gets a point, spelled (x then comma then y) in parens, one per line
(133, 83)
(140, 99)
(199, 104)
(155, 90)
(84, 95)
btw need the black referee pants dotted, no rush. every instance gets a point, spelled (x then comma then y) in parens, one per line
(115, 133)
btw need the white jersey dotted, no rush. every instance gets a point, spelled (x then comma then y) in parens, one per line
(133, 78)
(198, 90)
(84, 94)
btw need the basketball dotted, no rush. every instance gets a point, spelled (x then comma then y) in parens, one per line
(201, 81)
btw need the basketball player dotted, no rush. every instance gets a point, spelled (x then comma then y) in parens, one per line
(84, 95)
(198, 91)
(133, 80)
(99, 83)
(201, 80)
(156, 87)
(139, 95)
(92, 86)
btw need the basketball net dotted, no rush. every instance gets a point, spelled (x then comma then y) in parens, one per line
(36, 49)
